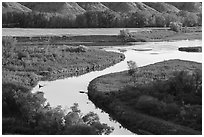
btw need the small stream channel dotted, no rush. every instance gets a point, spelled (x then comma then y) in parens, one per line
(65, 92)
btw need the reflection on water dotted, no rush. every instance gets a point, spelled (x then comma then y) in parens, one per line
(65, 92)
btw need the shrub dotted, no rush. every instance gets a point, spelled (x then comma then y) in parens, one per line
(150, 105)
(175, 26)
(132, 67)
(172, 109)
(22, 55)
(8, 45)
(79, 48)
(190, 49)
(124, 33)
(133, 70)
(79, 130)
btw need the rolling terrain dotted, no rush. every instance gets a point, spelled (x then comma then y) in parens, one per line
(76, 8)
(99, 14)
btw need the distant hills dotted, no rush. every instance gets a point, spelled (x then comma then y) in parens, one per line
(63, 8)
(92, 6)
(188, 6)
(14, 7)
(162, 7)
(76, 8)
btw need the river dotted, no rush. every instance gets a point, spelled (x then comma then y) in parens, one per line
(65, 92)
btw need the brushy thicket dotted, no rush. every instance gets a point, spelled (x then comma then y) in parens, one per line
(175, 26)
(27, 113)
(177, 99)
(52, 61)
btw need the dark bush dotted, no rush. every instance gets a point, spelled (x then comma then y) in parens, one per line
(172, 109)
(79, 130)
(150, 105)
(190, 49)
(22, 55)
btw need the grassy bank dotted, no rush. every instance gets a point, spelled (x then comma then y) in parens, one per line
(24, 65)
(163, 98)
(112, 40)
(157, 35)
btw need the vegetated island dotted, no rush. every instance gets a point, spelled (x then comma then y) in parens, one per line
(24, 65)
(162, 98)
(191, 49)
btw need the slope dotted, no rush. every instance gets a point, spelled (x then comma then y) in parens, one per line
(129, 7)
(188, 6)
(63, 8)
(162, 7)
(14, 7)
(92, 6)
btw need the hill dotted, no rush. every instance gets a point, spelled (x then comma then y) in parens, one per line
(188, 6)
(129, 7)
(117, 14)
(162, 7)
(63, 8)
(122, 7)
(14, 7)
(93, 6)
(143, 7)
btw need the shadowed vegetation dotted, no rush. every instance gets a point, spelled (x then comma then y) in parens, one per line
(23, 66)
(191, 49)
(163, 98)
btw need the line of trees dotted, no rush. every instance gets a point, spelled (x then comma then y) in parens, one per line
(100, 19)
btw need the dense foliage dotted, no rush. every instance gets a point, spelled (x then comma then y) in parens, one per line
(177, 98)
(100, 19)
(175, 26)
(52, 61)
(164, 99)
(22, 66)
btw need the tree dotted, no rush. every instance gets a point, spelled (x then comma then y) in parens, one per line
(139, 19)
(106, 19)
(170, 18)
(92, 119)
(8, 46)
(175, 26)
(160, 20)
(191, 20)
(199, 19)
(133, 70)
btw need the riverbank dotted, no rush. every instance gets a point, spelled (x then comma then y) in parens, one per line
(158, 35)
(145, 109)
(24, 65)
(147, 35)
